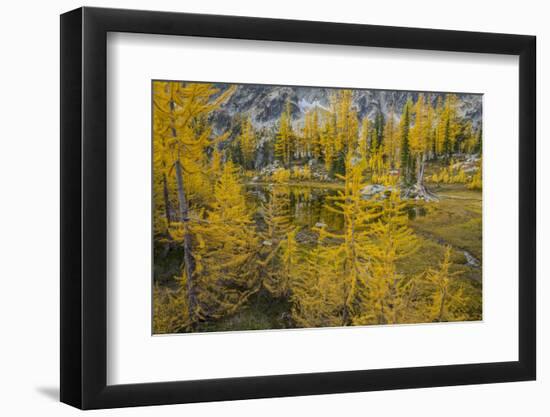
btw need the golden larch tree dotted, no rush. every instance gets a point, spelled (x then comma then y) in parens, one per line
(227, 245)
(247, 140)
(284, 144)
(181, 109)
(278, 244)
(388, 295)
(317, 289)
(448, 297)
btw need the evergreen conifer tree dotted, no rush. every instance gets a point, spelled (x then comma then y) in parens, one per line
(405, 152)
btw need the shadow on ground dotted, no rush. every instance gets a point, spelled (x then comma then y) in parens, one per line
(50, 392)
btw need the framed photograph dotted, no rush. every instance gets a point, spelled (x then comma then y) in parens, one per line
(257, 208)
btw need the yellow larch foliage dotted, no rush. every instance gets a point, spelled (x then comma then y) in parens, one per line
(216, 165)
(330, 284)
(301, 173)
(469, 142)
(452, 174)
(421, 137)
(226, 272)
(448, 298)
(349, 273)
(417, 139)
(164, 200)
(303, 141)
(391, 140)
(347, 124)
(476, 182)
(421, 133)
(430, 128)
(385, 179)
(170, 310)
(284, 144)
(181, 110)
(278, 244)
(447, 124)
(439, 131)
(276, 213)
(289, 263)
(327, 140)
(247, 141)
(307, 145)
(281, 175)
(388, 295)
(315, 135)
(317, 291)
(376, 164)
(351, 252)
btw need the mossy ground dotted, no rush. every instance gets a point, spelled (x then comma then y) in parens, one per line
(455, 219)
(262, 312)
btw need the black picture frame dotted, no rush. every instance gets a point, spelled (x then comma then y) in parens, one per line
(84, 207)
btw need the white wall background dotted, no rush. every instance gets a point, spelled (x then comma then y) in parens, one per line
(29, 219)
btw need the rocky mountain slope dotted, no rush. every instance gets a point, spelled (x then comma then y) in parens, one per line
(265, 103)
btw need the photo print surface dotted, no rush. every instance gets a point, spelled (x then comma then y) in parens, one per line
(281, 207)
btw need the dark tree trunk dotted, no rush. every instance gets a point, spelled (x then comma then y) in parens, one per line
(421, 165)
(167, 208)
(189, 261)
(418, 190)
